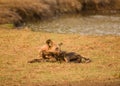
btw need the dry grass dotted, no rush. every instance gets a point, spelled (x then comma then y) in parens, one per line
(19, 46)
(16, 11)
(117, 4)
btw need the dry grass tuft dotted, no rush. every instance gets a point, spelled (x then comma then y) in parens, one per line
(16, 11)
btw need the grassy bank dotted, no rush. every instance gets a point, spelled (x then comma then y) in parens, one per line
(17, 12)
(19, 46)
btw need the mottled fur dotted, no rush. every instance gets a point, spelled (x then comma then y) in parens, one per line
(50, 50)
(72, 57)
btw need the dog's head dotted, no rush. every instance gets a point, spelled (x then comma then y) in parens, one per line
(53, 47)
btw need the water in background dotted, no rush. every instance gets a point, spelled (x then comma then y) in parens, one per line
(84, 25)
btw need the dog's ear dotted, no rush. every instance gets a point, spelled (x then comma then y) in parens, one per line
(60, 44)
(49, 42)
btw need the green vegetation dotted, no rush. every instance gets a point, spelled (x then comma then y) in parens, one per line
(17, 47)
(7, 26)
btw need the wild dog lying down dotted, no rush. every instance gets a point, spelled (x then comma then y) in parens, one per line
(50, 50)
(53, 52)
(73, 57)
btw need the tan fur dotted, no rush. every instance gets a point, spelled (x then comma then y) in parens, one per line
(50, 50)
